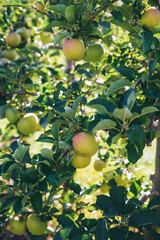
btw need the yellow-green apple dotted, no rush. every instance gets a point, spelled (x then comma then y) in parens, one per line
(85, 144)
(150, 18)
(74, 49)
(12, 114)
(28, 124)
(10, 54)
(94, 53)
(24, 33)
(13, 39)
(17, 226)
(99, 165)
(105, 188)
(36, 225)
(79, 161)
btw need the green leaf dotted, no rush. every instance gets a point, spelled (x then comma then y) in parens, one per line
(18, 3)
(2, 110)
(36, 201)
(104, 202)
(137, 136)
(59, 8)
(117, 196)
(105, 124)
(45, 139)
(101, 232)
(126, 72)
(70, 112)
(133, 155)
(149, 109)
(59, 37)
(47, 26)
(147, 39)
(65, 145)
(123, 114)
(70, 14)
(14, 166)
(63, 234)
(154, 203)
(66, 221)
(145, 217)
(8, 202)
(55, 130)
(119, 233)
(20, 152)
(118, 85)
(76, 103)
(135, 188)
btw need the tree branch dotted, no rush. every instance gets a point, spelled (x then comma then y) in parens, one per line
(18, 92)
(101, 10)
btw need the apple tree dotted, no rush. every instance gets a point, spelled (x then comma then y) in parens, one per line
(79, 89)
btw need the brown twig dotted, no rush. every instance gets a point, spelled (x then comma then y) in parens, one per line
(18, 92)
(44, 13)
(101, 10)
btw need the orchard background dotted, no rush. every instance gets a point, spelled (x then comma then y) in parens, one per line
(116, 99)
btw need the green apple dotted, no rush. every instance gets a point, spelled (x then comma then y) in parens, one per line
(105, 188)
(94, 53)
(79, 161)
(11, 114)
(24, 33)
(74, 49)
(28, 124)
(99, 165)
(17, 226)
(13, 39)
(35, 224)
(10, 54)
(150, 18)
(85, 144)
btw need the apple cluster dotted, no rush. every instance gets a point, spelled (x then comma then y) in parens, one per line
(26, 125)
(85, 146)
(74, 50)
(13, 39)
(34, 223)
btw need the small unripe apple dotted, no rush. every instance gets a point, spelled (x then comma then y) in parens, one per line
(40, 7)
(35, 224)
(28, 124)
(12, 114)
(13, 39)
(85, 144)
(24, 33)
(94, 53)
(10, 54)
(17, 226)
(99, 165)
(79, 161)
(150, 18)
(105, 188)
(73, 49)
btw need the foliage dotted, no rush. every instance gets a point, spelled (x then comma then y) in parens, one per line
(116, 99)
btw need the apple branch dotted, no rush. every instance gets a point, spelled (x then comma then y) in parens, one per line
(44, 13)
(101, 10)
(18, 92)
